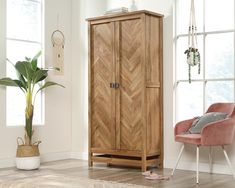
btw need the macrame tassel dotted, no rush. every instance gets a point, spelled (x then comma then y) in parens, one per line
(189, 73)
(199, 67)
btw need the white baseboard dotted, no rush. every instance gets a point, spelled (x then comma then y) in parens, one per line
(7, 162)
(79, 155)
(203, 167)
(55, 156)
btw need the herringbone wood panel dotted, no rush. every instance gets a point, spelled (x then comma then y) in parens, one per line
(126, 122)
(132, 85)
(102, 122)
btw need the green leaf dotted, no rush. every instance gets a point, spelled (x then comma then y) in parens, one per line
(48, 84)
(12, 83)
(21, 78)
(37, 55)
(34, 61)
(27, 59)
(8, 82)
(8, 61)
(21, 85)
(39, 75)
(24, 68)
(52, 68)
(34, 64)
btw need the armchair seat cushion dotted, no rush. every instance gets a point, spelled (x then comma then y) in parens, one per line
(189, 138)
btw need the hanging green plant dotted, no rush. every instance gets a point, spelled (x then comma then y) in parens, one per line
(193, 55)
(193, 58)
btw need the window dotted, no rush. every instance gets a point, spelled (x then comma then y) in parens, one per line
(24, 39)
(215, 23)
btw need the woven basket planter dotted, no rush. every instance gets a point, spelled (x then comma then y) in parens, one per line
(27, 151)
(27, 156)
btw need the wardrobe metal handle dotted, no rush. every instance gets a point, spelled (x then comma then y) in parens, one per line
(112, 85)
(117, 85)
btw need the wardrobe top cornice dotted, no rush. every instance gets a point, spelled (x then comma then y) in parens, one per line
(125, 14)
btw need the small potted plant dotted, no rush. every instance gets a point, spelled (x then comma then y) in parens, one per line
(193, 59)
(29, 75)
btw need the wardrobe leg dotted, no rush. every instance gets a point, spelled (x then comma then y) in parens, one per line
(144, 166)
(90, 163)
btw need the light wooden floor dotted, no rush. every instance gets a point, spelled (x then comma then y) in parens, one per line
(181, 179)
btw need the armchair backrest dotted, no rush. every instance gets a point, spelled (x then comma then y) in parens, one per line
(228, 108)
(222, 132)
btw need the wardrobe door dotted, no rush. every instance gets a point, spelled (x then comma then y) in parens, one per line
(131, 90)
(102, 97)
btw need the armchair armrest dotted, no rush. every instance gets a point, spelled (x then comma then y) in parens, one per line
(183, 126)
(218, 133)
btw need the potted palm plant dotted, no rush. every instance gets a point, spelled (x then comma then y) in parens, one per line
(29, 75)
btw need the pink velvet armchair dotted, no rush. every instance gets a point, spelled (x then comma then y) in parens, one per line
(219, 133)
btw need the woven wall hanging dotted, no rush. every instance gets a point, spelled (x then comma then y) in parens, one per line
(193, 55)
(58, 41)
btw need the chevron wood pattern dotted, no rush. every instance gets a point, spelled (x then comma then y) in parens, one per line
(125, 123)
(102, 122)
(132, 85)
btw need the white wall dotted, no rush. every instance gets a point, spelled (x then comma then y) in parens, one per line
(81, 9)
(56, 134)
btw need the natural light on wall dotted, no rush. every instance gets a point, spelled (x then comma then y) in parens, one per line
(215, 83)
(24, 39)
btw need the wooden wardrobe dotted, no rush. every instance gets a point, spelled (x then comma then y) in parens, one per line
(126, 89)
